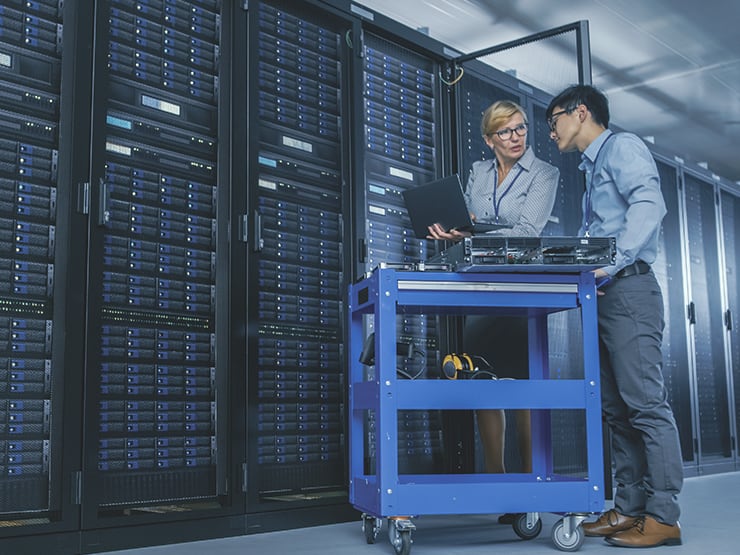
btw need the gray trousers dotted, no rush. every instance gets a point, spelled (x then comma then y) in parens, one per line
(645, 443)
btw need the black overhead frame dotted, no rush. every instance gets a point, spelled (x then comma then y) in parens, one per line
(583, 49)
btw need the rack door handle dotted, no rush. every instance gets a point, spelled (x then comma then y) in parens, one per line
(103, 203)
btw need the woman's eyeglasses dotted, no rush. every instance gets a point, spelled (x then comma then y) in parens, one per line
(505, 133)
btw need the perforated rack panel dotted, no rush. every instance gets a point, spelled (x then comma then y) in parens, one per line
(298, 439)
(30, 79)
(157, 402)
(400, 95)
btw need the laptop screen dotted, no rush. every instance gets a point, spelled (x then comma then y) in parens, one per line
(441, 201)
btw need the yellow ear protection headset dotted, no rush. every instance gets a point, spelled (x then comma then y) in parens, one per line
(454, 364)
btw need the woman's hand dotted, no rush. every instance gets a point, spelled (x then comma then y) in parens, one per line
(436, 231)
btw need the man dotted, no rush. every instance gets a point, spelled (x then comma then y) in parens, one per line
(623, 200)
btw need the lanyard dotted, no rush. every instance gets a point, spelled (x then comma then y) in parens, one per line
(587, 209)
(497, 205)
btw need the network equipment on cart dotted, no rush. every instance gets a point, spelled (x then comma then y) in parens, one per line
(489, 253)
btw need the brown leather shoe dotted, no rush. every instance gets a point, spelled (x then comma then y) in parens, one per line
(608, 524)
(647, 532)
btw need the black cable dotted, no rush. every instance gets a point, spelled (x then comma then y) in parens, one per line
(487, 364)
(409, 376)
(483, 373)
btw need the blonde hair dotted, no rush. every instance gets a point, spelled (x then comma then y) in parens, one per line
(499, 113)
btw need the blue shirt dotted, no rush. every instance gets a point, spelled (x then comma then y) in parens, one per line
(524, 199)
(623, 197)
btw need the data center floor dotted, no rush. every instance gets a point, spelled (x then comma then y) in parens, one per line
(710, 505)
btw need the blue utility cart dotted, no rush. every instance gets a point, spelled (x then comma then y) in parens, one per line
(388, 292)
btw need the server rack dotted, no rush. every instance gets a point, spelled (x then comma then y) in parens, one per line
(30, 83)
(480, 86)
(706, 320)
(402, 130)
(676, 372)
(564, 328)
(730, 217)
(297, 174)
(476, 88)
(151, 398)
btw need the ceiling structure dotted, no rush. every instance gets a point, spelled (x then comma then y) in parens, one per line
(671, 68)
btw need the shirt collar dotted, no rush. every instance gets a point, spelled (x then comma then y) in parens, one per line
(525, 161)
(593, 149)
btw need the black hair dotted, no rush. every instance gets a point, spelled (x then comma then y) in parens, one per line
(588, 95)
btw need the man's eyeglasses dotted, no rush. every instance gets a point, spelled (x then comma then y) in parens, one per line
(505, 133)
(552, 121)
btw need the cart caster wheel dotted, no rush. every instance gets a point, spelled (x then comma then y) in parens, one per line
(567, 542)
(399, 534)
(524, 530)
(371, 527)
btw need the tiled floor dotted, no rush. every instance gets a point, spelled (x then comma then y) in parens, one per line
(710, 519)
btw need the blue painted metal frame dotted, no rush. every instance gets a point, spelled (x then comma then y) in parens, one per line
(387, 292)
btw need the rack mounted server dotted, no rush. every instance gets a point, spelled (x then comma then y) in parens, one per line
(521, 254)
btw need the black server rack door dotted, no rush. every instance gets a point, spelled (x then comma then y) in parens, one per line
(296, 277)
(30, 81)
(473, 93)
(731, 232)
(402, 149)
(667, 268)
(715, 442)
(151, 403)
(476, 94)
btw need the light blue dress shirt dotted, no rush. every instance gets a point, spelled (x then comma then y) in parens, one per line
(623, 197)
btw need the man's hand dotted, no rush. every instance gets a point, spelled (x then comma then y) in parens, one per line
(600, 276)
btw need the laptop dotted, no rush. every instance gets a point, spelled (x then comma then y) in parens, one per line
(442, 201)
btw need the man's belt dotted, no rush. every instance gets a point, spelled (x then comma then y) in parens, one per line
(633, 269)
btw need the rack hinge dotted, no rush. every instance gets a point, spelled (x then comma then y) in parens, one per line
(83, 197)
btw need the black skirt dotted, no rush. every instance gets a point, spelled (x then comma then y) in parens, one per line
(501, 341)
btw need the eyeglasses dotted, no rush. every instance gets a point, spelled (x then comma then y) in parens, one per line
(552, 121)
(505, 133)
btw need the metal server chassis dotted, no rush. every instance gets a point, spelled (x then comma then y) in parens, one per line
(387, 292)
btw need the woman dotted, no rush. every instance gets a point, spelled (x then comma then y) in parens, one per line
(517, 189)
